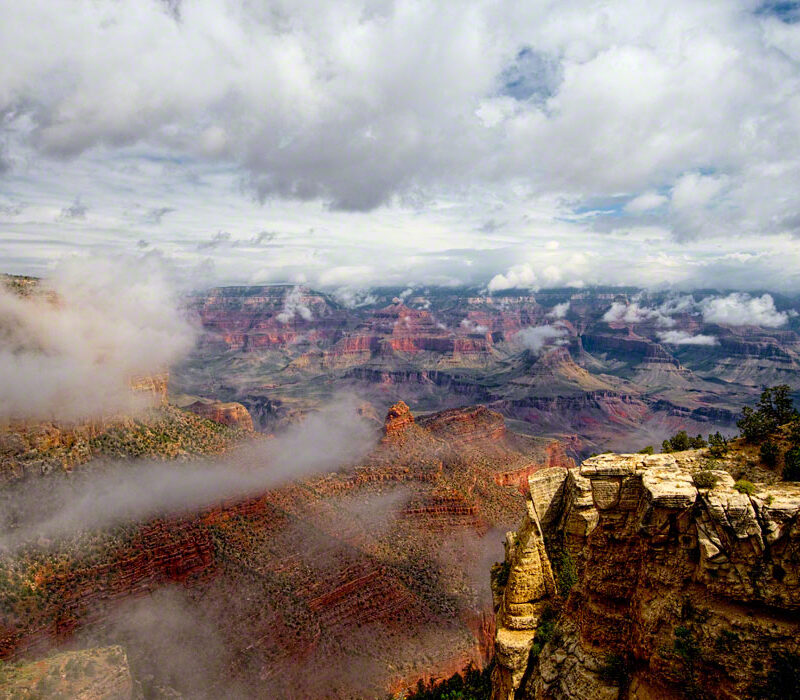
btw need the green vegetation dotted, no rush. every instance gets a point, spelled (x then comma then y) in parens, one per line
(769, 453)
(165, 432)
(717, 445)
(566, 572)
(745, 486)
(681, 441)
(545, 631)
(705, 479)
(774, 408)
(646, 450)
(791, 462)
(470, 684)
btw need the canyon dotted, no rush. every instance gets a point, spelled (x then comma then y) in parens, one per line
(393, 550)
(603, 376)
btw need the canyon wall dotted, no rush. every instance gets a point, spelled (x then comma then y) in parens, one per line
(661, 589)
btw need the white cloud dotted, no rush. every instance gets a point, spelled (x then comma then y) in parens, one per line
(620, 312)
(645, 202)
(397, 144)
(559, 310)
(536, 338)
(471, 327)
(684, 338)
(740, 309)
(517, 277)
(293, 306)
(696, 190)
(73, 358)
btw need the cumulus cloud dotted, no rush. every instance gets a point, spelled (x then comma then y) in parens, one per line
(293, 306)
(517, 277)
(559, 310)
(70, 354)
(739, 309)
(621, 312)
(536, 338)
(645, 202)
(684, 338)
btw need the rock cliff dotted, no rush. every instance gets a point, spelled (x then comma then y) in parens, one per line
(228, 413)
(662, 589)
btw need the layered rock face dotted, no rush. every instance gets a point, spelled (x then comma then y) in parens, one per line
(679, 591)
(228, 413)
(348, 584)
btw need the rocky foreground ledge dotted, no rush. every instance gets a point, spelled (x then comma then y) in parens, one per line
(627, 580)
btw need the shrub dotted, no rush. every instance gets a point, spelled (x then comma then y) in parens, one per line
(566, 573)
(646, 450)
(697, 443)
(666, 446)
(776, 404)
(680, 441)
(745, 486)
(769, 453)
(717, 445)
(791, 465)
(705, 479)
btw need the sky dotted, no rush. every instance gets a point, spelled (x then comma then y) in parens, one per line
(373, 142)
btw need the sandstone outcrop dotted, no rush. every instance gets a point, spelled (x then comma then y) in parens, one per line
(678, 590)
(398, 418)
(229, 413)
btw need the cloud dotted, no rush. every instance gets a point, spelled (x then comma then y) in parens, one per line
(293, 306)
(535, 338)
(71, 357)
(517, 277)
(156, 214)
(220, 238)
(695, 190)
(740, 309)
(74, 212)
(621, 312)
(471, 327)
(645, 202)
(684, 338)
(325, 440)
(353, 298)
(559, 310)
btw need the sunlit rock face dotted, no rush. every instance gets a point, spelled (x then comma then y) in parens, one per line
(675, 587)
(229, 413)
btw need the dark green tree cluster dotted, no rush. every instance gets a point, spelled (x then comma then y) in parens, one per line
(681, 441)
(717, 445)
(470, 684)
(774, 408)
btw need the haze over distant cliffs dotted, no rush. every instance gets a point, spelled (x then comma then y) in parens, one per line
(605, 368)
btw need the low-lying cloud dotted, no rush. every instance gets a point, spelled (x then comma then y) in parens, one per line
(684, 338)
(741, 309)
(536, 338)
(293, 306)
(71, 352)
(101, 497)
